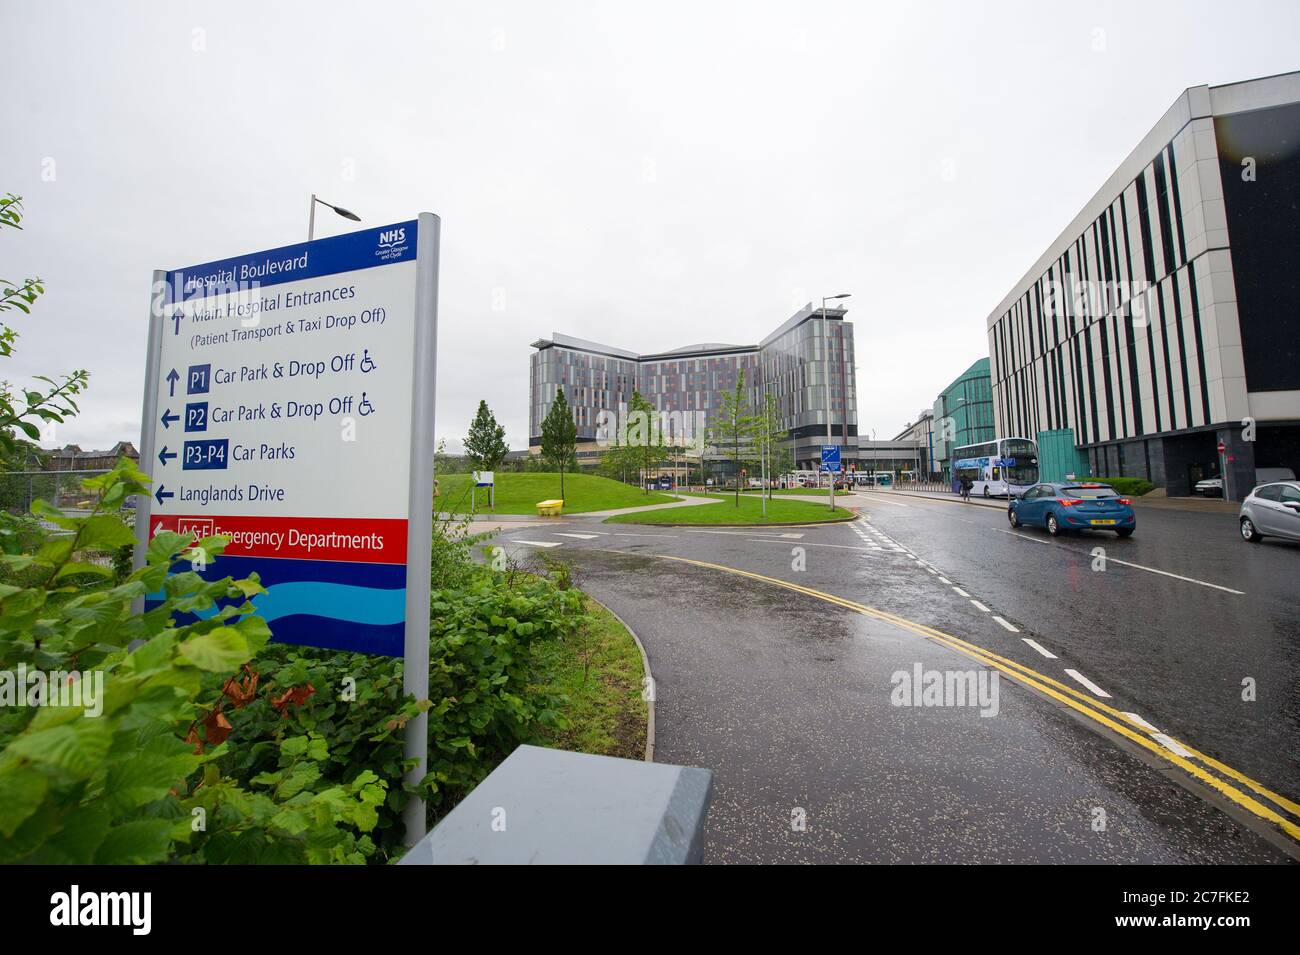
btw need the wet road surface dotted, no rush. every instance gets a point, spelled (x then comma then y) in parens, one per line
(794, 699)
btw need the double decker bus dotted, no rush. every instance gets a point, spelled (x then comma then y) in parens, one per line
(1001, 468)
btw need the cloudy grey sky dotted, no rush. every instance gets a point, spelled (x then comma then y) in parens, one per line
(647, 177)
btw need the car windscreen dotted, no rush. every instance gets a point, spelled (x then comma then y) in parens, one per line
(1089, 493)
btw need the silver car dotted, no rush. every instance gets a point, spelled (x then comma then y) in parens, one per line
(1210, 487)
(1271, 510)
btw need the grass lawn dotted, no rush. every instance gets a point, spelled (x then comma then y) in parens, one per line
(518, 493)
(600, 671)
(749, 512)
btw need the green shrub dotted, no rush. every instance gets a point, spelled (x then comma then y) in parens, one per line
(1128, 486)
(134, 775)
(482, 662)
(287, 753)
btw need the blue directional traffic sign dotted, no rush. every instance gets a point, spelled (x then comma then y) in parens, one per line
(830, 457)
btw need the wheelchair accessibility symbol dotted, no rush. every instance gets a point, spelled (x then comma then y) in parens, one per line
(365, 408)
(367, 363)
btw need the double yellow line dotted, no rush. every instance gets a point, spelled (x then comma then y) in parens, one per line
(1093, 709)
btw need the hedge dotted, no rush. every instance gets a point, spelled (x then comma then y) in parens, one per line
(1131, 486)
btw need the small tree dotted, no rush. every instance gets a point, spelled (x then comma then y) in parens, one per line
(559, 436)
(54, 400)
(770, 439)
(733, 431)
(644, 435)
(485, 444)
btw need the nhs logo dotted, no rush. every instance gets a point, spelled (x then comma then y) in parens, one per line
(392, 237)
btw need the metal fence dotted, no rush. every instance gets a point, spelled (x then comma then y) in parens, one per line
(18, 489)
(940, 486)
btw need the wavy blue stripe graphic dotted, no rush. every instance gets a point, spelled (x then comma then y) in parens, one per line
(361, 605)
(366, 605)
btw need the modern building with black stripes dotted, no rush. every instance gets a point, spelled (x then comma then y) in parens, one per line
(1164, 322)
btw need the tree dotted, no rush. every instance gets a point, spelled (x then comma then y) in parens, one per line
(485, 444)
(53, 401)
(770, 439)
(733, 431)
(559, 436)
(643, 436)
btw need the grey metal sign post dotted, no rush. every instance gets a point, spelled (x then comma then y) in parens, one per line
(419, 553)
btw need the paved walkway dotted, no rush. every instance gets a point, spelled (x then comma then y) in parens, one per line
(680, 502)
(485, 520)
(1203, 505)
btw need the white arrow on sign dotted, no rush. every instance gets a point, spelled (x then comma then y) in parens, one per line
(157, 529)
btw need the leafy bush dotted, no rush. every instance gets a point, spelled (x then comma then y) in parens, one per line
(138, 781)
(1128, 486)
(216, 746)
(353, 702)
(483, 634)
(481, 665)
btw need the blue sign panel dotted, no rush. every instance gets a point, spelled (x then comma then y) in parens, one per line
(207, 455)
(386, 245)
(830, 457)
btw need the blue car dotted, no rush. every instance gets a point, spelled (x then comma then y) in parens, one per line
(1073, 507)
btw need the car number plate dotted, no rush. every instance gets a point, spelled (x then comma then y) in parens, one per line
(1103, 522)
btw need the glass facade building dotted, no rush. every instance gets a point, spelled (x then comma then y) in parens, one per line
(794, 364)
(963, 414)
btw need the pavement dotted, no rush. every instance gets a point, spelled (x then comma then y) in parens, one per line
(1202, 505)
(1121, 729)
(488, 519)
(681, 501)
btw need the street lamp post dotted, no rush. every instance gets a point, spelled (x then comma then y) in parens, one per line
(311, 217)
(826, 341)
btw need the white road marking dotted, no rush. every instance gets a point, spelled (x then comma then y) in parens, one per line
(890, 503)
(1040, 648)
(1141, 722)
(538, 543)
(945, 580)
(1150, 570)
(581, 537)
(796, 536)
(1023, 537)
(768, 540)
(931, 570)
(1190, 580)
(961, 592)
(617, 534)
(1092, 687)
(1006, 624)
(979, 606)
(1170, 745)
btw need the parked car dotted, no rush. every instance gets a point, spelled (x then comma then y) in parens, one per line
(1210, 487)
(1271, 510)
(1073, 507)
